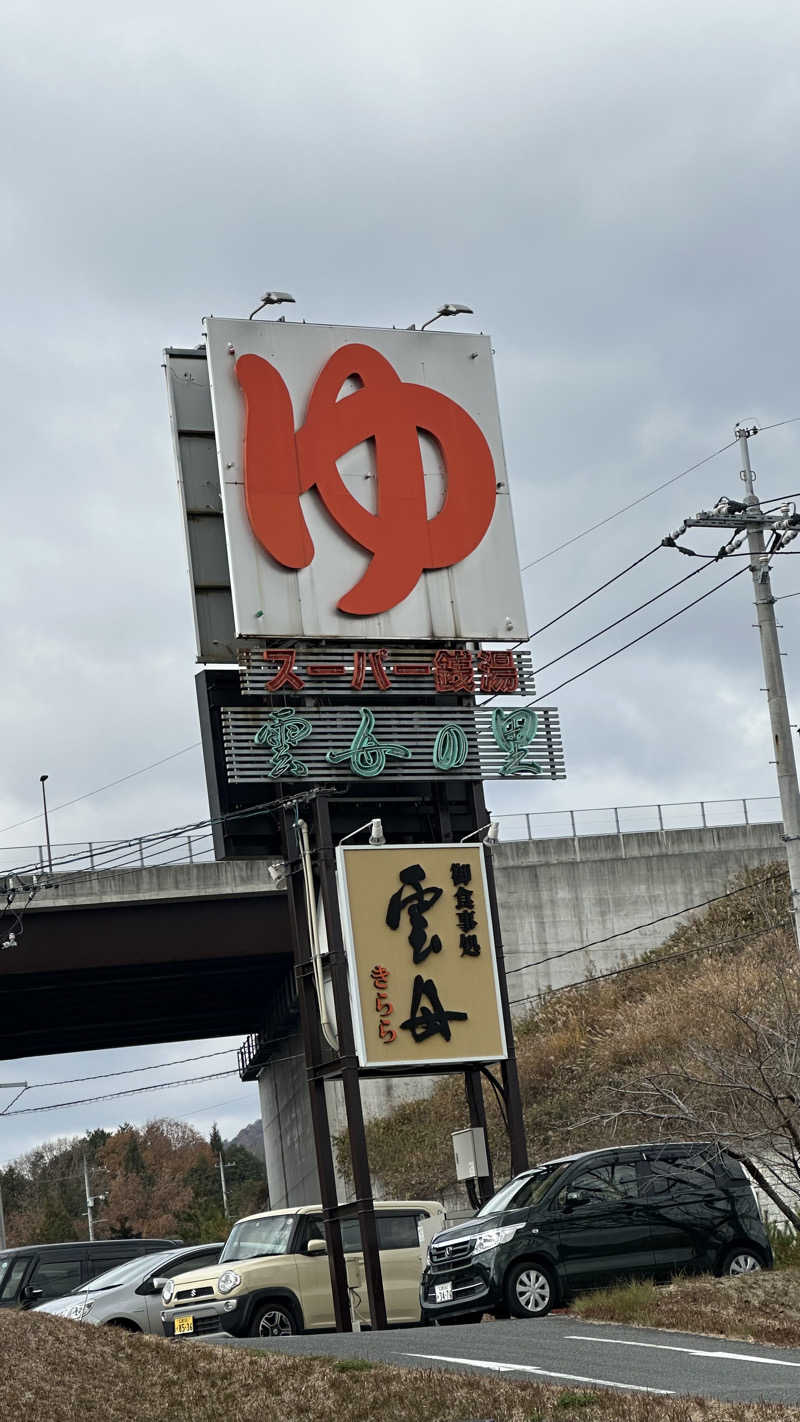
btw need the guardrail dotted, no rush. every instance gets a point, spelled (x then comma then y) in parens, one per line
(637, 819)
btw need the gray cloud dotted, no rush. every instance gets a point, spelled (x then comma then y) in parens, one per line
(614, 190)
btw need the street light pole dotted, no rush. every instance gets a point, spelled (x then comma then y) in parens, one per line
(42, 779)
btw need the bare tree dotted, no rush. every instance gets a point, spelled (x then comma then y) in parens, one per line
(735, 1081)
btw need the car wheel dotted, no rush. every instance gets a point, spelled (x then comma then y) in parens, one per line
(741, 1261)
(530, 1290)
(273, 1320)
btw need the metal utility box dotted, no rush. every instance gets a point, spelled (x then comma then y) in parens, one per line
(469, 1149)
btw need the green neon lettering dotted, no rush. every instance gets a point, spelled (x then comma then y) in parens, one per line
(281, 732)
(513, 731)
(450, 748)
(366, 754)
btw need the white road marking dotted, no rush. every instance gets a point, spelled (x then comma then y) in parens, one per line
(541, 1372)
(695, 1352)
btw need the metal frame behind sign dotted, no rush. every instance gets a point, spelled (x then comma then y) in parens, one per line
(475, 957)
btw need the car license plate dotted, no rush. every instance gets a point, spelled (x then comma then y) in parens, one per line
(184, 1324)
(444, 1293)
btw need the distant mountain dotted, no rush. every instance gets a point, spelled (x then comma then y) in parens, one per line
(252, 1138)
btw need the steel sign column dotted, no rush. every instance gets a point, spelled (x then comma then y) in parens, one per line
(348, 1064)
(312, 1048)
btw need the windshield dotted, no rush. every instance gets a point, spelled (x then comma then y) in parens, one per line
(524, 1190)
(265, 1234)
(12, 1269)
(131, 1272)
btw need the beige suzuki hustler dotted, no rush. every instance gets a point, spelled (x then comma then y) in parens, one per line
(273, 1277)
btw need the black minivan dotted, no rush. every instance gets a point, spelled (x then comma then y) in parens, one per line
(36, 1273)
(579, 1222)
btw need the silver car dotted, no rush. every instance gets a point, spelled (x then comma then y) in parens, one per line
(129, 1296)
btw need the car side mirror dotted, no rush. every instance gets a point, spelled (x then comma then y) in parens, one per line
(574, 1198)
(158, 1283)
(28, 1294)
(316, 1246)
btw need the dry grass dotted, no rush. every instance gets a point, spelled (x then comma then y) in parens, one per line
(70, 1372)
(760, 1308)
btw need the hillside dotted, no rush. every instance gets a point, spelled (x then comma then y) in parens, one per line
(250, 1138)
(597, 1063)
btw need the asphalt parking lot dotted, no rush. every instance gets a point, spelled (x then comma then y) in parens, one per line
(560, 1349)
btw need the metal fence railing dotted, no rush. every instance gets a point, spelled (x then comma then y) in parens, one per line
(637, 819)
(91, 855)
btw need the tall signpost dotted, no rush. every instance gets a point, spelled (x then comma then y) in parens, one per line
(353, 556)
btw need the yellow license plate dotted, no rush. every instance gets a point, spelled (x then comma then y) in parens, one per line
(184, 1324)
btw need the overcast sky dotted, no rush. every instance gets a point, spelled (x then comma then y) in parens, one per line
(614, 190)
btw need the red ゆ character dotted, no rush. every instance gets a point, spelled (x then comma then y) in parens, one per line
(281, 463)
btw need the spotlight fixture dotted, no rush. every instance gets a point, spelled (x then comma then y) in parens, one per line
(376, 835)
(271, 298)
(492, 833)
(450, 308)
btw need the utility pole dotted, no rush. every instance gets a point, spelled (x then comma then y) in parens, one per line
(19, 1087)
(783, 525)
(785, 766)
(89, 1199)
(224, 1188)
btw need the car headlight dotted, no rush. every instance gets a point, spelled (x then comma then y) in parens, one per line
(168, 1291)
(227, 1281)
(490, 1238)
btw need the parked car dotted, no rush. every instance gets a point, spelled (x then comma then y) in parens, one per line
(129, 1296)
(581, 1221)
(273, 1276)
(35, 1273)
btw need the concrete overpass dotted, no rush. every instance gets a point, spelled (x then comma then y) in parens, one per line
(131, 956)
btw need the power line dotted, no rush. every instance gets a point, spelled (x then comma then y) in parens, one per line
(640, 638)
(66, 803)
(651, 922)
(654, 962)
(610, 626)
(603, 521)
(778, 424)
(523, 642)
(607, 584)
(115, 1095)
(129, 1071)
(272, 807)
(624, 618)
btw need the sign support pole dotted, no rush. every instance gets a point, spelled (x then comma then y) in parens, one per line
(477, 1117)
(312, 1049)
(349, 1064)
(510, 1076)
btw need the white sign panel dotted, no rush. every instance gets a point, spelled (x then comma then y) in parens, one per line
(364, 485)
